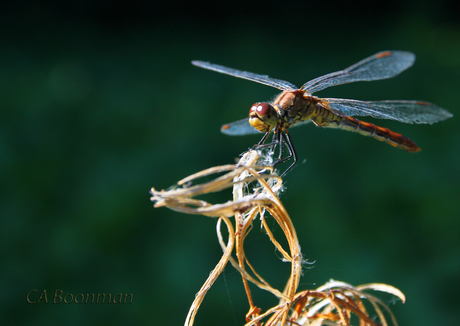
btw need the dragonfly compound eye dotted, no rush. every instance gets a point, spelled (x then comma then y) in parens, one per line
(263, 116)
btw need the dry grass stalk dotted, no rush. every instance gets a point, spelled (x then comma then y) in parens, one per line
(255, 192)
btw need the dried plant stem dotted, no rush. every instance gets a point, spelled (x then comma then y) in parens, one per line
(215, 272)
(255, 193)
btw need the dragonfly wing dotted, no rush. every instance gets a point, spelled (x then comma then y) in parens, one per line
(277, 83)
(239, 128)
(403, 111)
(242, 127)
(381, 65)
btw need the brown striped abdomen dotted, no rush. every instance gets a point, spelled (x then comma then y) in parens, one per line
(369, 129)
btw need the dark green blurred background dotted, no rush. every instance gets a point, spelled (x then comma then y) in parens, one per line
(99, 102)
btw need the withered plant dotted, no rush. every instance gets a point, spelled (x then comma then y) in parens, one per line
(256, 189)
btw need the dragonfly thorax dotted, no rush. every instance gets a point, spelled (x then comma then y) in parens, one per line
(263, 116)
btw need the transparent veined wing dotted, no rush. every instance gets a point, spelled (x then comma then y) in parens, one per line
(381, 65)
(402, 111)
(239, 128)
(262, 79)
(242, 127)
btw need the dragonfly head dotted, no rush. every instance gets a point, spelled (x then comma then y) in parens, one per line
(263, 116)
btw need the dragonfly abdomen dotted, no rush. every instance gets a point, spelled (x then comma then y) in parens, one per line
(380, 133)
(368, 129)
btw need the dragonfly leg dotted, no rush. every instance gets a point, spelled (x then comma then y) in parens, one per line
(292, 152)
(264, 138)
(280, 139)
(279, 142)
(261, 144)
(275, 141)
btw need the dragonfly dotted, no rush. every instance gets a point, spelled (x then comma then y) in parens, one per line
(296, 106)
